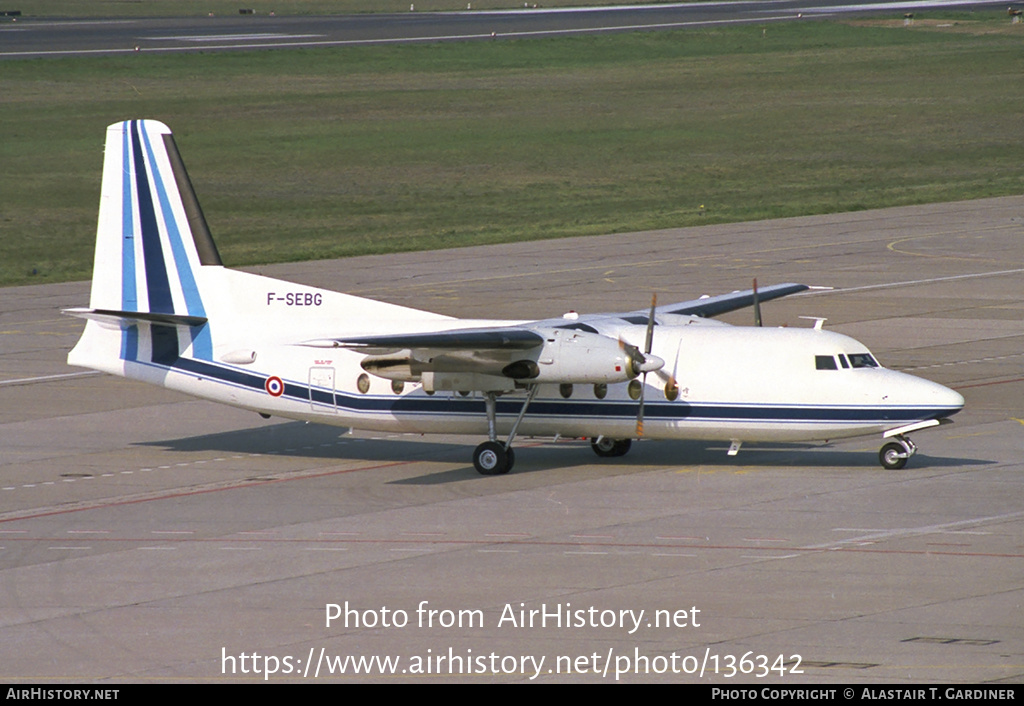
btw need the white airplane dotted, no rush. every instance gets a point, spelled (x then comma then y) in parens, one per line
(164, 310)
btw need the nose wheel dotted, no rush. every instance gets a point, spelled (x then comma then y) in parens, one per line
(893, 456)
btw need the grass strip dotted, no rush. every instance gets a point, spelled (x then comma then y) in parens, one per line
(336, 152)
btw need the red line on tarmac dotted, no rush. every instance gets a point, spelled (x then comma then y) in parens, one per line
(527, 543)
(986, 384)
(186, 493)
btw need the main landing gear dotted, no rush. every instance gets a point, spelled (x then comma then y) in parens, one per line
(493, 458)
(606, 447)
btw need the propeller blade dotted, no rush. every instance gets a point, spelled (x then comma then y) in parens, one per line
(757, 306)
(670, 378)
(636, 358)
(649, 362)
(650, 325)
(640, 409)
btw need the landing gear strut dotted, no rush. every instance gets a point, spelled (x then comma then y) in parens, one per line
(493, 458)
(894, 455)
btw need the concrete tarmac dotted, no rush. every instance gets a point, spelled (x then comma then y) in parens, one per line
(34, 37)
(148, 537)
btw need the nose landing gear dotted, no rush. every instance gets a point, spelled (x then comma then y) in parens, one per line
(893, 456)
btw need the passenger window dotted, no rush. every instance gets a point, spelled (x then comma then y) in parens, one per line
(862, 360)
(825, 362)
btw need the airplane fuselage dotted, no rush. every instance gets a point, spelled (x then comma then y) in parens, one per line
(730, 383)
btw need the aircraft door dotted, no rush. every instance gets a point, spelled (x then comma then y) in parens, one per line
(321, 389)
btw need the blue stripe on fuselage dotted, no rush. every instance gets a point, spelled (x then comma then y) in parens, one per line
(675, 411)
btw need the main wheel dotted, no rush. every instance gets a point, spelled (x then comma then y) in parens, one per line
(491, 458)
(610, 448)
(893, 456)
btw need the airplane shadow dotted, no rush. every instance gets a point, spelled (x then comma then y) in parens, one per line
(532, 456)
(309, 441)
(649, 455)
(780, 455)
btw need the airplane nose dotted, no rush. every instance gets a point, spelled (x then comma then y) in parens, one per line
(953, 399)
(935, 401)
(946, 401)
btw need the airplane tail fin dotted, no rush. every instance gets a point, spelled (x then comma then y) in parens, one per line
(158, 282)
(152, 241)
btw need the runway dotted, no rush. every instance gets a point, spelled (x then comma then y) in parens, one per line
(147, 537)
(40, 37)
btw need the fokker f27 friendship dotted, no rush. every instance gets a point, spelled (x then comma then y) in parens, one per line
(164, 310)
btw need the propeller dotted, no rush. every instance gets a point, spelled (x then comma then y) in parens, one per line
(671, 379)
(649, 360)
(757, 306)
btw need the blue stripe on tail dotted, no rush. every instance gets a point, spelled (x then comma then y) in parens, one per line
(147, 182)
(129, 297)
(202, 344)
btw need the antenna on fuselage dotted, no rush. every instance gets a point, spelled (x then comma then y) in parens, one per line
(819, 321)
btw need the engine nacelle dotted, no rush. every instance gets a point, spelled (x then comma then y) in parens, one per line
(572, 356)
(394, 367)
(566, 356)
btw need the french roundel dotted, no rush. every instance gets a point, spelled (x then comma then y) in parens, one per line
(274, 386)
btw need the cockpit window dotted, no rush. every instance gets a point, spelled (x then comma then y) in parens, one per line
(862, 360)
(842, 361)
(825, 362)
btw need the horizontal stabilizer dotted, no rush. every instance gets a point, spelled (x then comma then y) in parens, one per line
(130, 318)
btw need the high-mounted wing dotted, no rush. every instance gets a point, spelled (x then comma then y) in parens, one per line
(610, 324)
(473, 339)
(723, 304)
(553, 351)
